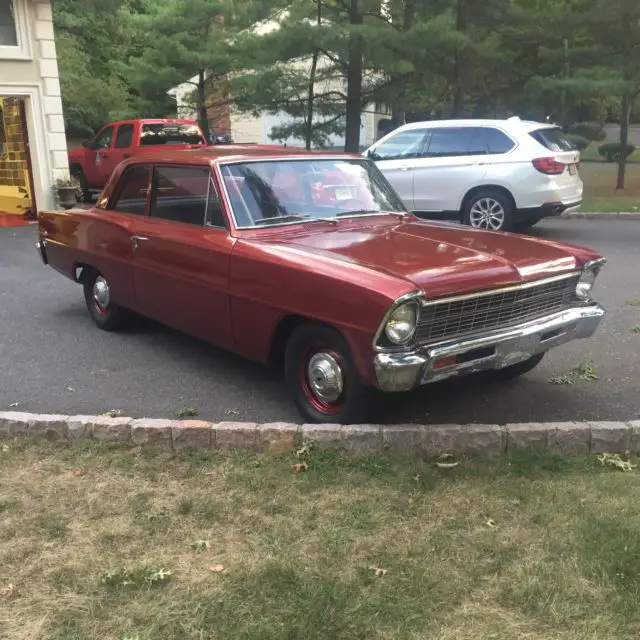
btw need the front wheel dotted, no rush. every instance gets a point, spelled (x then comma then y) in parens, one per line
(517, 370)
(97, 295)
(489, 209)
(322, 377)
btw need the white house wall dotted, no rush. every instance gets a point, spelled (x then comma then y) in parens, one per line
(33, 74)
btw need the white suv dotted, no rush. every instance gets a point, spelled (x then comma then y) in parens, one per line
(491, 174)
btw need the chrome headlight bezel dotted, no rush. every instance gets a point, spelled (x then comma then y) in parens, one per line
(402, 323)
(587, 279)
(409, 305)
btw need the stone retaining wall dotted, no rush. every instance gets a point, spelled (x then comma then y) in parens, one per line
(430, 441)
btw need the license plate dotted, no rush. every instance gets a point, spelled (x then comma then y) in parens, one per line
(572, 169)
(343, 193)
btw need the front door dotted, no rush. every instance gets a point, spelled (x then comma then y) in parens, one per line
(183, 254)
(100, 161)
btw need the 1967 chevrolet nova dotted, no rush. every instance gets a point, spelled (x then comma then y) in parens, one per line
(311, 261)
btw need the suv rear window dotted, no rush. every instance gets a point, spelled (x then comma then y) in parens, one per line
(168, 133)
(553, 139)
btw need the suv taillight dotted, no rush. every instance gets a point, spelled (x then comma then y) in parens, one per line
(549, 166)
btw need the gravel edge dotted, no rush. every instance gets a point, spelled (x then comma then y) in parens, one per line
(428, 441)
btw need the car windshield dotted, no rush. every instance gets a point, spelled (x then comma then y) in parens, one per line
(288, 191)
(170, 133)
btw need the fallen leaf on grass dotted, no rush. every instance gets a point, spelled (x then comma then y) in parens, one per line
(216, 568)
(378, 572)
(200, 545)
(79, 472)
(301, 466)
(303, 452)
(4, 448)
(6, 592)
(614, 460)
(491, 523)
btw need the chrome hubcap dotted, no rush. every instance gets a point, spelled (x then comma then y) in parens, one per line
(101, 292)
(487, 213)
(325, 377)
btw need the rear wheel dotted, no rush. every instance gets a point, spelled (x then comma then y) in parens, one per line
(322, 377)
(517, 370)
(97, 295)
(489, 209)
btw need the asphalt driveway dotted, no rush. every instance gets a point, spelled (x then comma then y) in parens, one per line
(54, 360)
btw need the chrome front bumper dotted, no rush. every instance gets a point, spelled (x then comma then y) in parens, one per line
(401, 371)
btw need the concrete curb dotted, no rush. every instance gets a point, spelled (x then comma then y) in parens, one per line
(621, 215)
(428, 441)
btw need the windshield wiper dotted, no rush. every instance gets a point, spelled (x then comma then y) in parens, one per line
(293, 217)
(363, 212)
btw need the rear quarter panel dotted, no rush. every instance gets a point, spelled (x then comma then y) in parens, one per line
(271, 282)
(92, 238)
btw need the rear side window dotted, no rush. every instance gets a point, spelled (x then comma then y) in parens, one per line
(124, 136)
(405, 144)
(180, 194)
(134, 186)
(449, 142)
(497, 141)
(169, 133)
(552, 139)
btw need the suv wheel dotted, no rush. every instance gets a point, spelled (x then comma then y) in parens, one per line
(489, 209)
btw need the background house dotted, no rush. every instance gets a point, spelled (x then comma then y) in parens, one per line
(33, 150)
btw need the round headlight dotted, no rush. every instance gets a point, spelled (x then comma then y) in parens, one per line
(585, 283)
(401, 324)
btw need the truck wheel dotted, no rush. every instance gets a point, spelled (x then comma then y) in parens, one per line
(489, 209)
(97, 295)
(517, 370)
(322, 377)
(77, 173)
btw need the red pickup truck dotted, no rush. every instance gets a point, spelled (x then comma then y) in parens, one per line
(93, 162)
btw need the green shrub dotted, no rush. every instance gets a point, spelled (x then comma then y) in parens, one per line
(579, 142)
(588, 130)
(614, 151)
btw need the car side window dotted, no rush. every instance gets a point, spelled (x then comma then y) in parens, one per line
(180, 194)
(478, 141)
(215, 215)
(103, 141)
(124, 137)
(498, 142)
(405, 144)
(132, 193)
(449, 141)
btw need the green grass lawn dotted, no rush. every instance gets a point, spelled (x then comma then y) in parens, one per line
(102, 543)
(600, 194)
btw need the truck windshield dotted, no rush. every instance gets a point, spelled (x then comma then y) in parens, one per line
(169, 133)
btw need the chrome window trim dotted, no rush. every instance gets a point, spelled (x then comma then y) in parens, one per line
(490, 292)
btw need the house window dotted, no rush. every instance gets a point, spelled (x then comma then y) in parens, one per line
(14, 42)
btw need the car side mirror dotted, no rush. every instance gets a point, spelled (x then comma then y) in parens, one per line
(90, 144)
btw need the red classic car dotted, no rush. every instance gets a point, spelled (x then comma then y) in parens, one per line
(311, 261)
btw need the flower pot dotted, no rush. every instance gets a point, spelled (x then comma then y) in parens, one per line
(67, 197)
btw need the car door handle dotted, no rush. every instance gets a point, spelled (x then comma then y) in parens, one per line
(136, 240)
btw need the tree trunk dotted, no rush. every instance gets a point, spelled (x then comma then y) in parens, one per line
(308, 131)
(399, 110)
(354, 83)
(624, 136)
(203, 116)
(459, 63)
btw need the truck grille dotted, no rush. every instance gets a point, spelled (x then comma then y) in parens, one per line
(447, 319)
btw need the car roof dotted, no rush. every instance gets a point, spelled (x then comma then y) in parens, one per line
(513, 123)
(232, 153)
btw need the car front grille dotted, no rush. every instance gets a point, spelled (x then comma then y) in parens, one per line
(450, 318)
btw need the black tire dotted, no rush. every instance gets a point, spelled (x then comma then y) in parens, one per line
(307, 341)
(109, 316)
(484, 197)
(76, 172)
(517, 370)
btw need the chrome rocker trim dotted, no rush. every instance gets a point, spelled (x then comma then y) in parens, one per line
(408, 369)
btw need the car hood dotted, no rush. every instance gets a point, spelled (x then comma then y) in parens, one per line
(440, 259)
